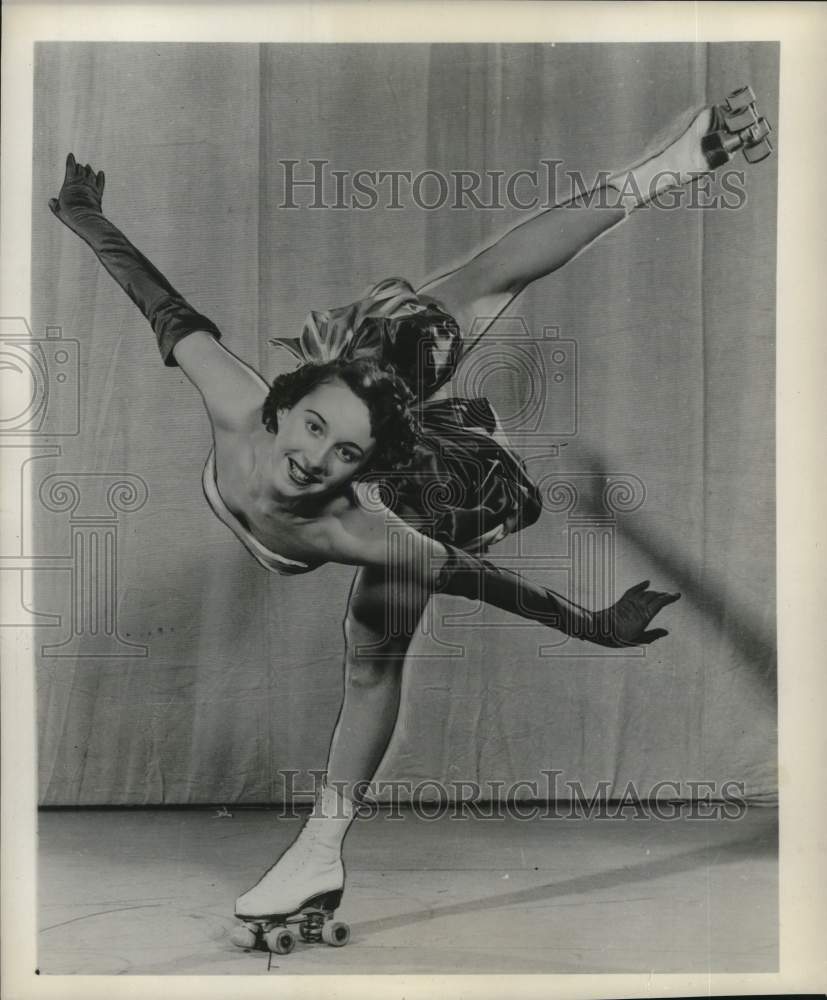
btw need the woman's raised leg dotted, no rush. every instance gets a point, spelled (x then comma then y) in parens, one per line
(700, 141)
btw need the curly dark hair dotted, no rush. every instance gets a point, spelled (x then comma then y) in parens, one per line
(387, 397)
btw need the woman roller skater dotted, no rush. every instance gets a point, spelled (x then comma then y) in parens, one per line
(292, 465)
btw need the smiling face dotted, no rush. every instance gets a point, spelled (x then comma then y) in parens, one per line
(321, 442)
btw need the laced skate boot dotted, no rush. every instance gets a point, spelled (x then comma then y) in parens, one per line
(303, 887)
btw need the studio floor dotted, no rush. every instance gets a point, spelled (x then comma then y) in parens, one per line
(152, 892)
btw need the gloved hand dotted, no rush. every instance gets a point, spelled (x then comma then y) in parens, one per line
(622, 624)
(80, 195)
(78, 206)
(625, 622)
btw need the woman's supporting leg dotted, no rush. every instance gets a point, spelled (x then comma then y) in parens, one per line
(379, 624)
(378, 629)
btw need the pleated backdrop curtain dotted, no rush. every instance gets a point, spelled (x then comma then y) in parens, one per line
(672, 314)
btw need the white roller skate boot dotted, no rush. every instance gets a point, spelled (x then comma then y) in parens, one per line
(700, 142)
(303, 887)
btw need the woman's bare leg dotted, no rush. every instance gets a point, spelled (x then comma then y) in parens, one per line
(375, 650)
(379, 624)
(480, 290)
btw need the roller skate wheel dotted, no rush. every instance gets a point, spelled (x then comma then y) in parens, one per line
(336, 934)
(759, 151)
(280, 941)
(243, 937)
(740, 99)
(738, 121)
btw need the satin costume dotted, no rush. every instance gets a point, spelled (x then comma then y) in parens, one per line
(467, 486)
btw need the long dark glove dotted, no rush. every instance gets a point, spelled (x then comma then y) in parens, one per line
(623, 624)
(78, 206)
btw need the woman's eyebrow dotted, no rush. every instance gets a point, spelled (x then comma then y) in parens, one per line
(349, 444)
(352, 444)
(317, 414)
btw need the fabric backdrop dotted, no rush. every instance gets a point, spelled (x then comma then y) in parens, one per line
(671, 317)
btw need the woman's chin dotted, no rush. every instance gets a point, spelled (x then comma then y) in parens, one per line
(287, 489)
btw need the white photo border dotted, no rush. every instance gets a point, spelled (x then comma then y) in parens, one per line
(801, 29)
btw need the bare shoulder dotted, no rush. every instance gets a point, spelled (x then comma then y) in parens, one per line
(360, 509)
(339, 519)
(363, 531)
(338, 508)
(350, 526)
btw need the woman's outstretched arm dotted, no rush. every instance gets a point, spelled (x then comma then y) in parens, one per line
(369, 534)
(231, 389)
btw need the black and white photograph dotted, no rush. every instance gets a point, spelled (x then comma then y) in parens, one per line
(390, 507)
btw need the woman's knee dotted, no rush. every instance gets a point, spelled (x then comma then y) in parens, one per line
(388, 612)
(368, 671)
(366, 606)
